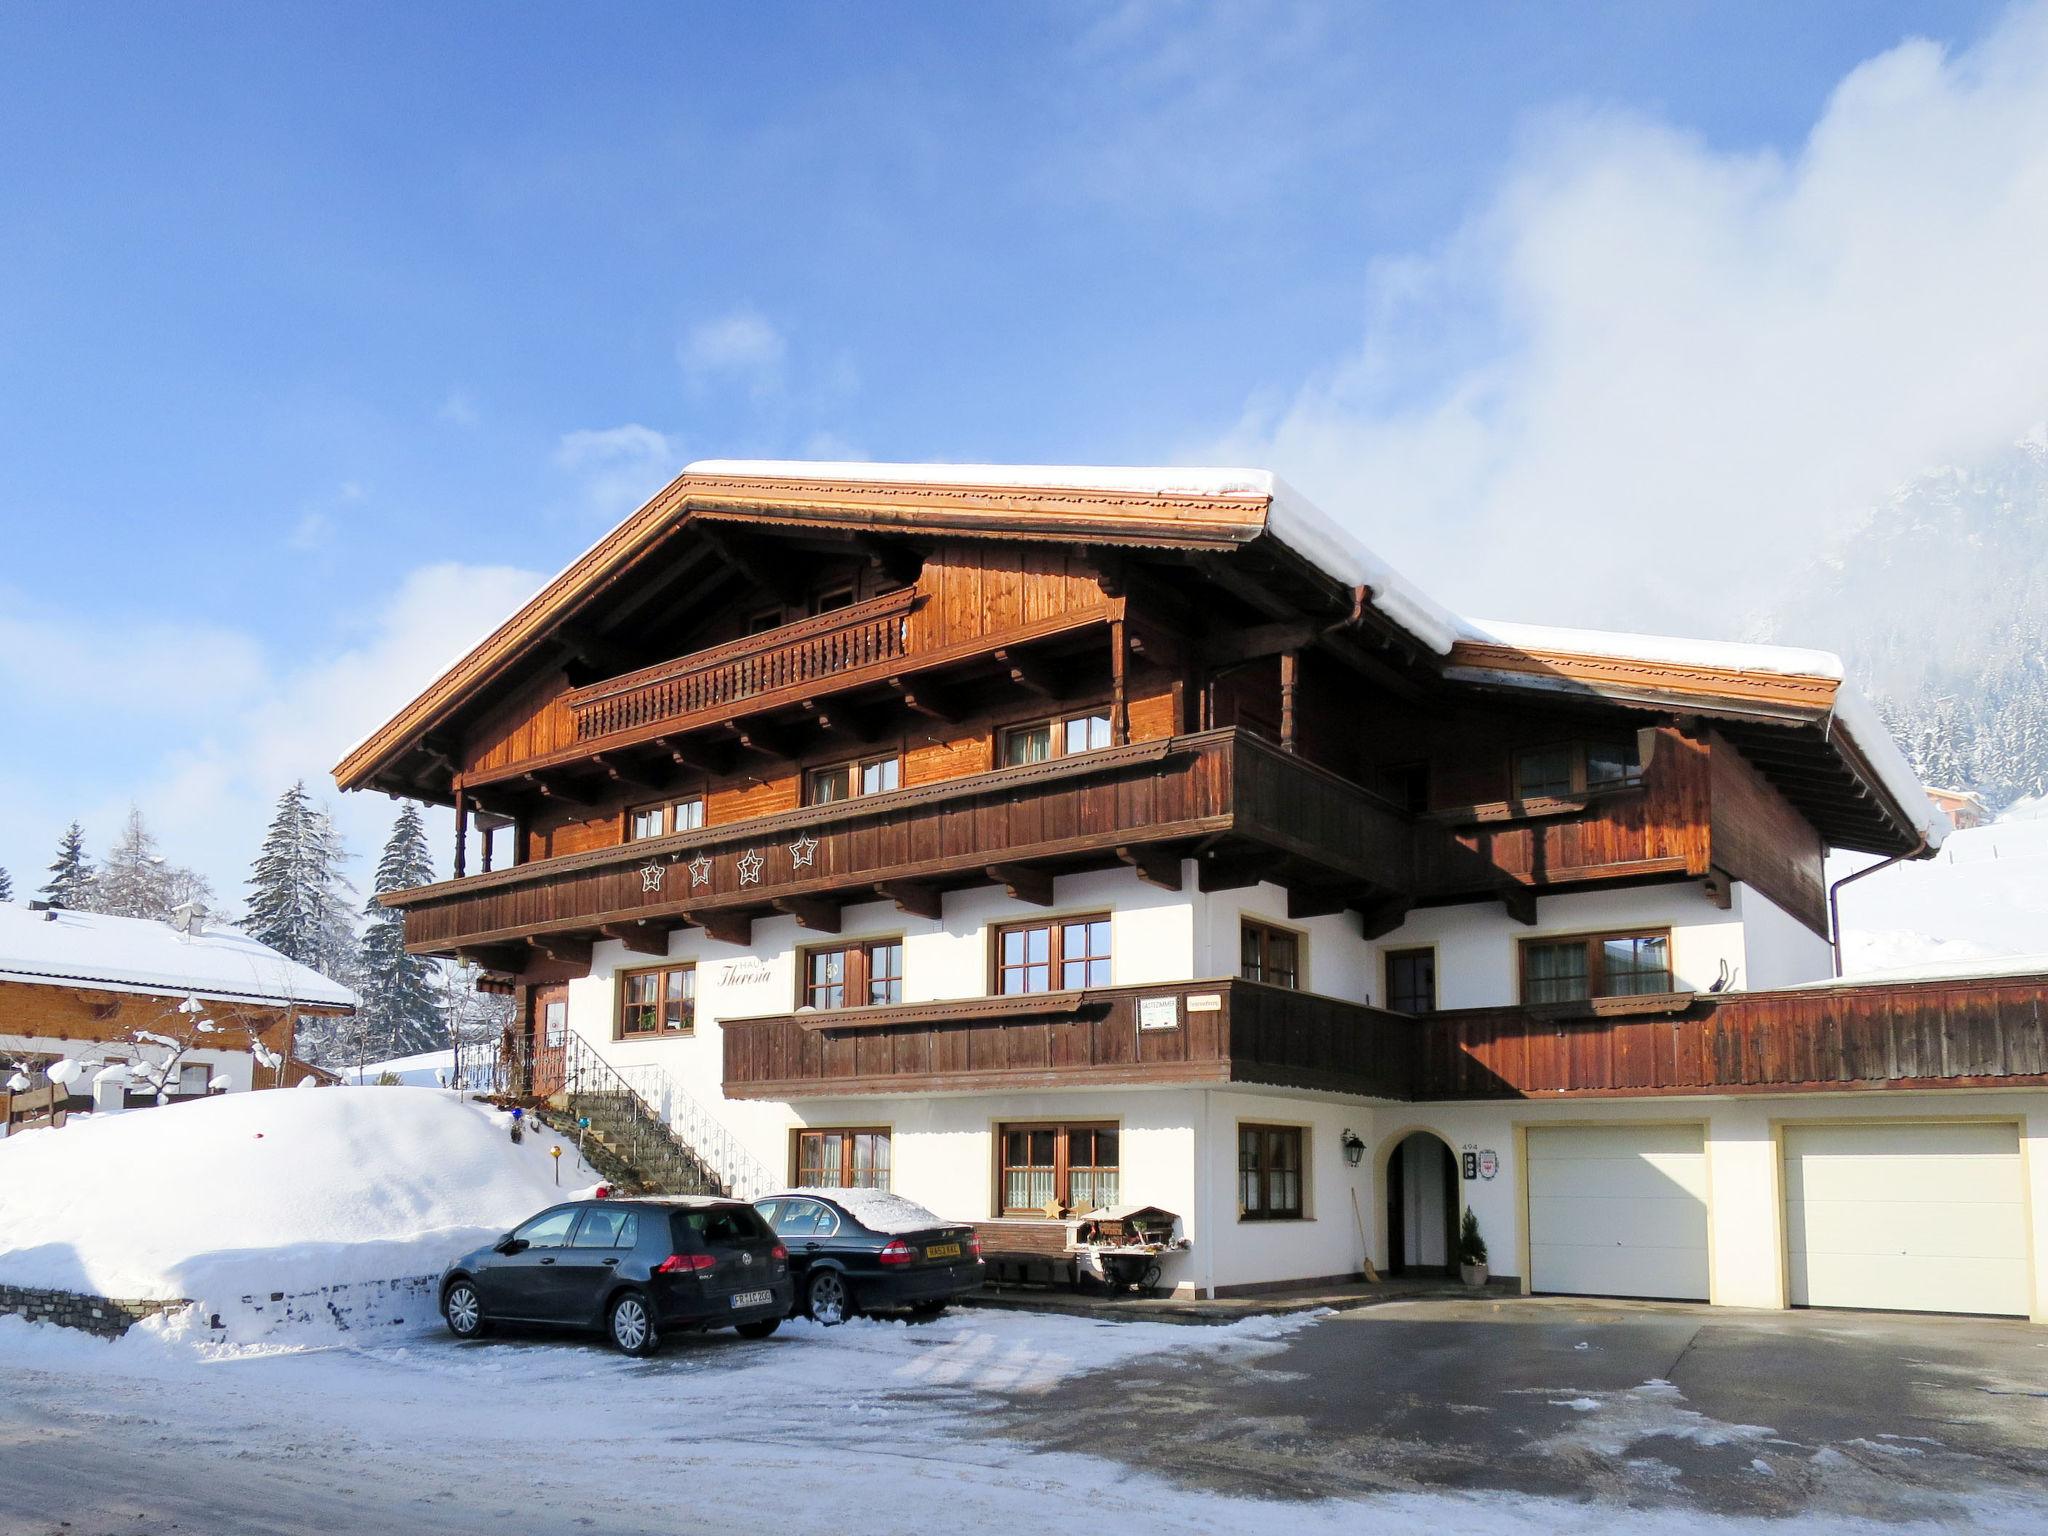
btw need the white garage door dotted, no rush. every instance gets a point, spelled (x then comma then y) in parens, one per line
(1913, 1218)
(1618, 1210)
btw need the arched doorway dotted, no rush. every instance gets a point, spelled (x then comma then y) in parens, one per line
(1422, 1205)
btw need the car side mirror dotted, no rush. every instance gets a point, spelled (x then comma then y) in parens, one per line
(508, 1244)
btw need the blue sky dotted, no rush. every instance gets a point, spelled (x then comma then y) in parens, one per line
(325, 330)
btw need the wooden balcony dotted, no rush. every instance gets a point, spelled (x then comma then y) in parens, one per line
(1233, 800)
(787, 664)
(1197, 1032)
(1983, 1033)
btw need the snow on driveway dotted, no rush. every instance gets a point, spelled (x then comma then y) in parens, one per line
(879, 1427)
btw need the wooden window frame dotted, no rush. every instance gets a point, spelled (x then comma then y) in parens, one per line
(853, 767)
(1056, 732)
(1596, 971)
(1062, 1164)
(624, 980)
(797, 1134)
(1267, 931)
(1581, 784)
(859, 971)
(847, 589)
(752, 625)
(1055, 950)
(1403, 952)
(666, 808)
(1265, 1173)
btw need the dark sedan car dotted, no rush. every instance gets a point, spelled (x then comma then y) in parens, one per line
(631, 1269)
(865, 1250)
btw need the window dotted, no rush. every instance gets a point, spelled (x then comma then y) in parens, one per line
(1597, 965)
(1041, 740)
(658, 1002)
(1411, 980)
(844, 1159)
(607, 1227)
(1269, 954)
(800, 1218)
(1576, 768)
(852, 975)
(684, 815)
(831, 599)
(721, 1224)
(1073, 1166)
(842, 781)
(763, 620)
(1406, 784)
(1056, 956)
(1269, 1172)
(550, 1229)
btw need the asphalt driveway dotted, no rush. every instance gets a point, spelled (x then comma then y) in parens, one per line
(1770, 1414)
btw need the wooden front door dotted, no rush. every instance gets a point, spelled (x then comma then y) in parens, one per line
(547, 1039)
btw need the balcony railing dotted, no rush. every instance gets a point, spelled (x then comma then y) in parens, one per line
(790, 659)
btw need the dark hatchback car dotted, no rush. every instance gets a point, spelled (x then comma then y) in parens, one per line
(631, 1269)
(864, 1250)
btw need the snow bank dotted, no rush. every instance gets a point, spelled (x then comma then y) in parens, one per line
(259, 1193)
(426, 1070)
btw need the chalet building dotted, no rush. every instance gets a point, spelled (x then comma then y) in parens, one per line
(1032, 840)
(85, 986)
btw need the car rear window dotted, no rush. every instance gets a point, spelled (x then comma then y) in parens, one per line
(723, 1224)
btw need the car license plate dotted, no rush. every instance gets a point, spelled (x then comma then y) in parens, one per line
(753, 1298)
(943, 1251)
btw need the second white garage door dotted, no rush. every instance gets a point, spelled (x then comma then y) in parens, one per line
(1618, 1210)
(1916, 1218)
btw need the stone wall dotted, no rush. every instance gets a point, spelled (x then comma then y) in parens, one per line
(107, 1316)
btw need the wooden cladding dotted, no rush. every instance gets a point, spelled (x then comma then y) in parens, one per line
(760, 670)
(1071, 812)
(1878, 1035)
(1223, 1031)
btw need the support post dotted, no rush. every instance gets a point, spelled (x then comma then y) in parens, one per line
(1119, 690)
(1290, 679)
(461, 830)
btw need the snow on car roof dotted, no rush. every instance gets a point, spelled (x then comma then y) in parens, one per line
(875, 1209)
(136, 954)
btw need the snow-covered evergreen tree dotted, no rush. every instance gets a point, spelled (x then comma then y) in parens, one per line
(401, 1013)
(6, 885)
(299, 900)
(71, 872)
(137, 881)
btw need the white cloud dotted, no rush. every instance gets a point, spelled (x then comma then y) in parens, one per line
(1653, 375)
(459, 409)
(743, 345)
(202, 728)
(615, 469)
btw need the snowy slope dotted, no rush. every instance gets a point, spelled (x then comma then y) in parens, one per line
(262, 1192)
(425, 1070)
(1984, 895)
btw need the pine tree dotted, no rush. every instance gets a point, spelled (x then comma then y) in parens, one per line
(137, 881)
(298, 899)
(400, 1014)
(6, 885)
(71, 874)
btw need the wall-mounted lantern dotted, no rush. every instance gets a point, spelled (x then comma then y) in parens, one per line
(1354, 1149)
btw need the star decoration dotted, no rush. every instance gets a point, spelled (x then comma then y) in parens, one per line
(700, 870)
(750, 867)
(803, 851)
(650, 877)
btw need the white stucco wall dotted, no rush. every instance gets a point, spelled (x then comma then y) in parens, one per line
(1781, 951)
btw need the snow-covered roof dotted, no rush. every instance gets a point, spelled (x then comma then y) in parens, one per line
(1291, 517)
(133, 954)
(1986, 968)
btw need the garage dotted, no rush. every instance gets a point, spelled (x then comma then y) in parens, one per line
(1920, 1217)
(1618, 1210)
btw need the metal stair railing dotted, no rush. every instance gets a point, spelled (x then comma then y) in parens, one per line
(742, 1174)
(631, 1127)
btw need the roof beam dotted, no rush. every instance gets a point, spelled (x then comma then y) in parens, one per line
(1024, 882)
(726, 927)
(1154, 866)
(814, 912)
(914, 897)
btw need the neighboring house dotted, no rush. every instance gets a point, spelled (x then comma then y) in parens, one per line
(85, 986)
(1033, 840)
(1965, 808)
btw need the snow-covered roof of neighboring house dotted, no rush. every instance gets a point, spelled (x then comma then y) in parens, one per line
(133, 954)
(1981, 969)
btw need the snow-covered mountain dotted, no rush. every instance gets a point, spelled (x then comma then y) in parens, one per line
(1937, 600)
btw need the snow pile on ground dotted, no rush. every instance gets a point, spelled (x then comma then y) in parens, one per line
(1985, 894)
(878, 1210)
(429, 1069)
(255, 1193)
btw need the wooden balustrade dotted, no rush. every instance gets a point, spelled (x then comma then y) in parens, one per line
(792, 658)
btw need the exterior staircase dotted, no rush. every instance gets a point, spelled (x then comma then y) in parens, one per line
(635, 1138)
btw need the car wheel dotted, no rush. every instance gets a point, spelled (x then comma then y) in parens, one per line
(760, 1330)
(463, 1310)
(828, 1300)
(632, 1326)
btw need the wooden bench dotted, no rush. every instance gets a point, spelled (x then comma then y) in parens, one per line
(1027, 1251)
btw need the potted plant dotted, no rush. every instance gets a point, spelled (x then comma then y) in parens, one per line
(1471, 1252)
